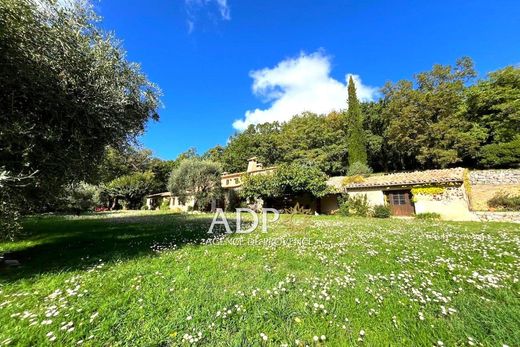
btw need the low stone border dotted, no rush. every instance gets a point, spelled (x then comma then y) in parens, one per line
(486, 216)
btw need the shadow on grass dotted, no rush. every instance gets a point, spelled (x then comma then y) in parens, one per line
(68, 244)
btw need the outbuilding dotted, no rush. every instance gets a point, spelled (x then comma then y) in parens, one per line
(408, 193)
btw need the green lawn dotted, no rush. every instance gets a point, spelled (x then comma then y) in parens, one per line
(154, 279)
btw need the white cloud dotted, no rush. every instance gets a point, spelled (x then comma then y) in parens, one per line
(207, 9)
(223, 7)
(300, 84)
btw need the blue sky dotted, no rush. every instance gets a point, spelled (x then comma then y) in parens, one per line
(215, 60)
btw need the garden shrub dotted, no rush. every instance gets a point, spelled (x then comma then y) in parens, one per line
(144, 208)
(78, 197)
(505, 201)
(344, 209)
(297, 209)
(356, 205)
(428, 215)
(165, 205)
(381, 211)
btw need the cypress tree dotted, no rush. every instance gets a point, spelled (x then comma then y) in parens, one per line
(355, 135)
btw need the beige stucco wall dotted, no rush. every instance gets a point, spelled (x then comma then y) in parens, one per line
(374, 196)
(456, 210)
(450, 205)
(176, 205)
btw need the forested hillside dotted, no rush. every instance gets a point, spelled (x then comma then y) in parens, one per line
(442, 118)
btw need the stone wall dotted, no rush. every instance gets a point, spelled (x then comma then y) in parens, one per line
(452, 204)
(498, 216)
(485, 184)
(497, 177)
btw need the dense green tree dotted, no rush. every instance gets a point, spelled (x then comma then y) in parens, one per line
(131, 189)
(315, 140)
(356, 143)
(214, 154)
(427, 125)
(198, 178)
(66, 92)
(505, 154)
(495, 105)
(288, 179)
(78, 197)
(123, 161)
(256, 141)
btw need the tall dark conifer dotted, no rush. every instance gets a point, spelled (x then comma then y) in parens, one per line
(355, 135)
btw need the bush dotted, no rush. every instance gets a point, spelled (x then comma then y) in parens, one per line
(505, 202)
(381, 211)
(165, 205)
(344, 210)
(428, 215)
(354, 205)
(144, 208)
(78, 197)
(297, 209)
(358, 168)
(358, 205)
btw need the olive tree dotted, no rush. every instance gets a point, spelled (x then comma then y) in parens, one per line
(197, 178)
(66, 92)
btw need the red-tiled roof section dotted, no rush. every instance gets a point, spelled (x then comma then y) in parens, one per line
(412, 178)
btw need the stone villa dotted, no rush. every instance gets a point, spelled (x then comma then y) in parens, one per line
(447, 192)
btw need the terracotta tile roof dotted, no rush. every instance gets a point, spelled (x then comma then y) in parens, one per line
(404, 178)
(336, 182)
(165, 194)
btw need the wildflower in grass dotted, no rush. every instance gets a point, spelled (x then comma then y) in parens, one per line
(315, 338)
(189, 318)
(263, 336)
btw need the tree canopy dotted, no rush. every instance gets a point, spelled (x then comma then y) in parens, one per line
(440, 118)
(67, 91)
(287, 179)
(197, 178)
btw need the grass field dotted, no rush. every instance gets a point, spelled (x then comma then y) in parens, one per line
(155, 279)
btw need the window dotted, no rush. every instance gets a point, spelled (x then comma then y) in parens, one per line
(398, 199)
(236, 180)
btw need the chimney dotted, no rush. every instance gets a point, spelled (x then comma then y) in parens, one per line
(252, 164)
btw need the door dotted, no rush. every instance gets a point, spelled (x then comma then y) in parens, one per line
(400, 202)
